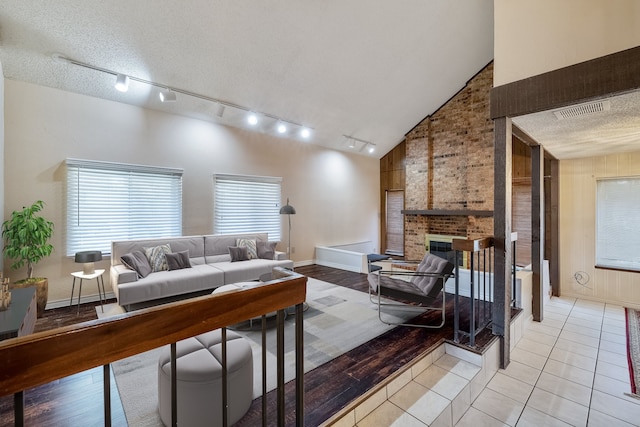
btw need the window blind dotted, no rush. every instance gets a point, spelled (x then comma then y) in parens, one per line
(115, 201)
(395, 223)
(247, 204)
(618, 223)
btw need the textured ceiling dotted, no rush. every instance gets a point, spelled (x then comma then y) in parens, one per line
(367, 69)
(611, 131)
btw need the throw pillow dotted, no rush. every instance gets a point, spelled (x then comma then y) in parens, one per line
(138, 262)
(238, 254)
(157, 258)
(266, 250)
(178, 260)
(250, 244)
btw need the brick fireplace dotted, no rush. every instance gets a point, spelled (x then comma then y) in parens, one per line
(449, 169)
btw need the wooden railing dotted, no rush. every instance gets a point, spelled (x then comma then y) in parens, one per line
(44, 357)
(480, 253)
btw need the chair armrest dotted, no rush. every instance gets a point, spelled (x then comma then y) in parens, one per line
(280, 256)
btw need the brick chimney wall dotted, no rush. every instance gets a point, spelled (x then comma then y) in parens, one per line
(449, 165)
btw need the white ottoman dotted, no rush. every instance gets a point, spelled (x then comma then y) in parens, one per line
(199, 388)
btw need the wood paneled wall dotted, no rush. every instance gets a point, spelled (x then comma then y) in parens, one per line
(392, 177)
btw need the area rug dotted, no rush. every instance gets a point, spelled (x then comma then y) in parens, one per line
(337, 320)
(633, 349)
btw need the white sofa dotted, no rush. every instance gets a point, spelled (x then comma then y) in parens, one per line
(211, 267)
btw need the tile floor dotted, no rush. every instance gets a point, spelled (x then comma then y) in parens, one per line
(569, 370)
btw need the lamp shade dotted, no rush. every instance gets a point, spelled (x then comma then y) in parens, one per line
(88, 256)
(287, 209)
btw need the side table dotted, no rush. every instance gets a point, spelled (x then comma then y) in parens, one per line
(20, 318)
(97, 274)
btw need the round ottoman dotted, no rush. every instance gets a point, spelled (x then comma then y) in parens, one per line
(199, 388)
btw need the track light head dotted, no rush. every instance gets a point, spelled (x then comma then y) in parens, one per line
(282, 128)
(305, 132)
(167, 96)
(122, 83)
(252, 119)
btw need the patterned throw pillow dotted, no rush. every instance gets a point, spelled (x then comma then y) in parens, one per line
(250, 244)
(157, 258)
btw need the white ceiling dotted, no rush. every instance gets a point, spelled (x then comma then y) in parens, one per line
(367, 69)
(597, 133)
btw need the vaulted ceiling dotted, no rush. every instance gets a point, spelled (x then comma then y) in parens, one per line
(366, 69)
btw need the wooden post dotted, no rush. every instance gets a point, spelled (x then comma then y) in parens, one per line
(554, 227)
(537, 230)
(502, 234)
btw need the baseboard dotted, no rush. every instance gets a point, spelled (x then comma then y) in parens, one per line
(88, 298)
(303, 263)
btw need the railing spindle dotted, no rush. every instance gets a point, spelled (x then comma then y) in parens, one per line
(299, 366)
(174, 386)
(106, 374)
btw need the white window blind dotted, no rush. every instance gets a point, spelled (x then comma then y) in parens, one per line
(395, 223)
(618, 223)
(247, 204)
(114, 201)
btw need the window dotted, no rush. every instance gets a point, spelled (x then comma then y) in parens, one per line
(395, 223)
(114, 201)
(247, 204)
(618, 223)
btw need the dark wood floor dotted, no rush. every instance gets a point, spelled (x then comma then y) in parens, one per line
(78, 401)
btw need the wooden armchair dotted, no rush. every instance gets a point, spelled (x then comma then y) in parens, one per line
(423, 287)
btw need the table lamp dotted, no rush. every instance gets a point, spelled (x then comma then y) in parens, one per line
(88, 258)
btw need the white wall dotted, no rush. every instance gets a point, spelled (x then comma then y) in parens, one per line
(1, 159)
(533, 37)
(578, 227)
(335, 194)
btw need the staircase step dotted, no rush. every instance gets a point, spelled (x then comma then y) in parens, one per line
(436, 388)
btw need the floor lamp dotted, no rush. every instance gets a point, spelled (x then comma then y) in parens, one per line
(288, 210)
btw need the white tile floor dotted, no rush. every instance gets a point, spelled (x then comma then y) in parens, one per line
(569, 370)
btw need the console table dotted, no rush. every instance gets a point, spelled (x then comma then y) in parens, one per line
(20, 318)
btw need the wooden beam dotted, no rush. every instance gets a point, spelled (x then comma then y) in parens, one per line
(447, 212)
(602, 77)
(502, 235)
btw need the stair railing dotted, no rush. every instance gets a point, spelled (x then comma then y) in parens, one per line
(41, 358)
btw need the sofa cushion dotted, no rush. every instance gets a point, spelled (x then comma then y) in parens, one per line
(250, 270)
(157, 258)
(194, 244)
(163, 284)
(215, 245)
(266, 250)
(178, 260)
(238, 253)
(138, 262)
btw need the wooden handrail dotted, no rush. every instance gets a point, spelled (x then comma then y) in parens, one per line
(43, 357)
(472, 245)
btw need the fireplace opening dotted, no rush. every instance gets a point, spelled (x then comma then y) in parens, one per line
(442, 246)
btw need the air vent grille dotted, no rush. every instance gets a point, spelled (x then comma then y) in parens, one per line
(582, 109)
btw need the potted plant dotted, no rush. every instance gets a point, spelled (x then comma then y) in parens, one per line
(26, 240)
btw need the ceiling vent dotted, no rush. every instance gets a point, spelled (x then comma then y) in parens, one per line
(582, 109)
